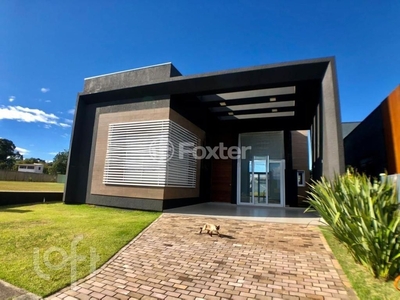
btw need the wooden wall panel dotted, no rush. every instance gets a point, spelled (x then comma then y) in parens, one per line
(221, 180)
(391, 120)
(221, 169)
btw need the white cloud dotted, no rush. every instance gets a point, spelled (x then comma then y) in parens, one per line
(25, 114)
(68, 121)
(47, 126)
(22, 150)
(11, 98)
(44, 90)
(65, 135)
(53, 153)
(29, 115)
(71, 111)
(48, 101)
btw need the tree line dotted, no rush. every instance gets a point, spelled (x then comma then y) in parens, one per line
(10, 158)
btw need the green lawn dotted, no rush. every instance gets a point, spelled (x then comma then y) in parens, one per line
(31, 186)
(35, 241)
(365, 285)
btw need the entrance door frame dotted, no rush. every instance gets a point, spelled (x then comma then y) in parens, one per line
(239, 178)
(282, 179)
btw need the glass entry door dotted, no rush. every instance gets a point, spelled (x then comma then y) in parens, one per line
(260, 177)
(275, 182)
(262, 183)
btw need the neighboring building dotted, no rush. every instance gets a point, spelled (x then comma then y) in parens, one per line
(31, 168)
(134, 133)
(373, 147)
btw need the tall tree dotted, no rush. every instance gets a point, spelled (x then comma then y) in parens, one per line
(60, 162)
(8, 154)
(33, 160)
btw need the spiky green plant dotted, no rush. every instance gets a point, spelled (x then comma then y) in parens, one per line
(363, 214)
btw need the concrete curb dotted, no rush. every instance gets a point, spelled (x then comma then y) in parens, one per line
(11, 292)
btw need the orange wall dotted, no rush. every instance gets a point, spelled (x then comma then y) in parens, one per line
(391, 119)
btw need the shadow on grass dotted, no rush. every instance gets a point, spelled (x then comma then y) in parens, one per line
(13, 210)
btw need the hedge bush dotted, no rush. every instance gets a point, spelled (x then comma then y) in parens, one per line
(364, 215)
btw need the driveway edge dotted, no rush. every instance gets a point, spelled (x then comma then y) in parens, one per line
(68, 287)
(338, 267)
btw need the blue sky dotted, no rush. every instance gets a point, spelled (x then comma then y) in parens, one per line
(47, 48)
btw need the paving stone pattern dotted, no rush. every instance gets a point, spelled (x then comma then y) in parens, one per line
(252, 260)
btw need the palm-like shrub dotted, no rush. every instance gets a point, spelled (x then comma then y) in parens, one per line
(364, 216)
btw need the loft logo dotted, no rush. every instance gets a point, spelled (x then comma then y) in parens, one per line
(217, 152)
(47, 265)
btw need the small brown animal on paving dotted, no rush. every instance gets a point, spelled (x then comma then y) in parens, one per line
(210, 229)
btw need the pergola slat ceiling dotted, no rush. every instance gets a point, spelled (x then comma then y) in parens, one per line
(244, 108)
(252, 106)
(256, 116)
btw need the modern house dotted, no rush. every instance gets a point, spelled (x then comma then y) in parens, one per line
(373, 147)
(152, 138)
(31, 168)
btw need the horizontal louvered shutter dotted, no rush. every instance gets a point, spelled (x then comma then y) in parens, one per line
(147, 154)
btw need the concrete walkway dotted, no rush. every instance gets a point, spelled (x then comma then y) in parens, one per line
(251, 260)
(293, 215)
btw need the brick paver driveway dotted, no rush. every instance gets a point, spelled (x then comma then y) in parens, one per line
(170, 260)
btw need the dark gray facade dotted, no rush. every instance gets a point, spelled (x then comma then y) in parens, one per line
(365, 145)
(373, 146)
(348, 127)
(315, 108)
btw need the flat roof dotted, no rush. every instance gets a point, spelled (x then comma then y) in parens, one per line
(130, 70)
(292, 89)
